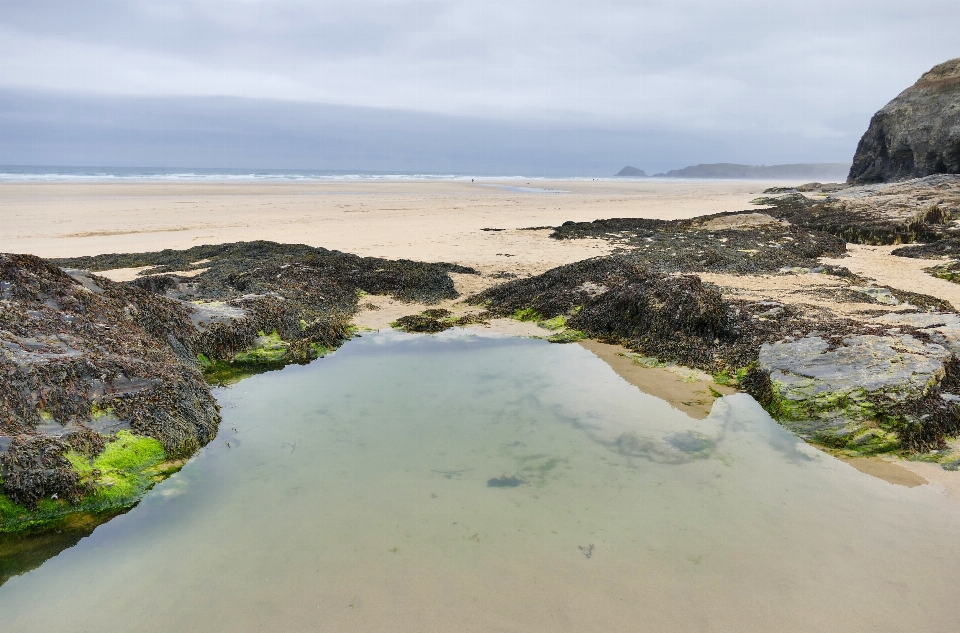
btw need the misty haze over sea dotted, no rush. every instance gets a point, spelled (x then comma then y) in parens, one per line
(244, 134)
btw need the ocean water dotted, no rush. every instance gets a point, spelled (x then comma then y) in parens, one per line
(354, 494)
(21, 173)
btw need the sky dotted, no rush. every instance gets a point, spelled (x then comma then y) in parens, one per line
(539, 88)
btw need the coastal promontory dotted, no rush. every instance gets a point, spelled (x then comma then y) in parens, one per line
(915, 135)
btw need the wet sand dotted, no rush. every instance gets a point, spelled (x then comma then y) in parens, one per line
(690, 391)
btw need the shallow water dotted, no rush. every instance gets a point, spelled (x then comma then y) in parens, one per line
(352, 495)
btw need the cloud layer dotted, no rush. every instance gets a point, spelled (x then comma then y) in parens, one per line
(718, 69)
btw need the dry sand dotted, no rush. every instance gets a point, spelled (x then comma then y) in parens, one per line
(424, 220)
(901, 273)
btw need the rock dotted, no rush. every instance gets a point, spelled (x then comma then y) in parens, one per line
(916, 210)
(77, 350)
(858, 394)
(941, 328)
(632, 172)
(917, 134)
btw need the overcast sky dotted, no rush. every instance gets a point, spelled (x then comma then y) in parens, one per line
(655, 84)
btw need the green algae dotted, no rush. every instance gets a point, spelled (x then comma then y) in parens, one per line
(868, 428)
(527, 314)
(558, 322)
(268, 349)
(116, 478)
(723, 377)
(224, 372)
(650, 362)
(567, 336)
(268, 353)
(731, 379)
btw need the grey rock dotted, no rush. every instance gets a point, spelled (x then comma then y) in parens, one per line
(920, 319)
(917, 134)
(899, 364)
(84, 278)
(847, 394)
(942, 328)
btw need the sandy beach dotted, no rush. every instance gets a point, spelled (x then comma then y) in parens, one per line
(422, 220)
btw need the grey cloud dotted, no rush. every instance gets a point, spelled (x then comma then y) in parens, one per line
(733, 69)
(41, 128)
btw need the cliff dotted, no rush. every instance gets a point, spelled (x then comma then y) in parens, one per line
(915, 135)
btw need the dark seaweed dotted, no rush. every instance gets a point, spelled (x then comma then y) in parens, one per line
(686, 246)
(949, 247)
(436, 320)
(248, 267)
(857, 226)
(505, 482)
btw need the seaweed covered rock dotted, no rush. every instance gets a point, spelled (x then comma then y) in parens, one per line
(655, 306)
(77, 350)
(679, 317)
(242, 294)
(227, 271)
(34, 467)
(557, 291)
(861, 392)
(742, 243)
(916, 134)
(82, 358)
(920, 210)
(617, 298)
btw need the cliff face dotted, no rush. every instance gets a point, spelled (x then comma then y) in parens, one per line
(917, 134)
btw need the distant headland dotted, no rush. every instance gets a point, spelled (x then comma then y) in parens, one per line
(804, 171)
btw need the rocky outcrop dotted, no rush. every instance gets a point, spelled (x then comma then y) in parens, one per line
(826, 171)
(868, 393)
(917, 134)
(917, 210)
(632, 172)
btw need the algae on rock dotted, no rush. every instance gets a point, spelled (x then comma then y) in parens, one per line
(851, 395)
